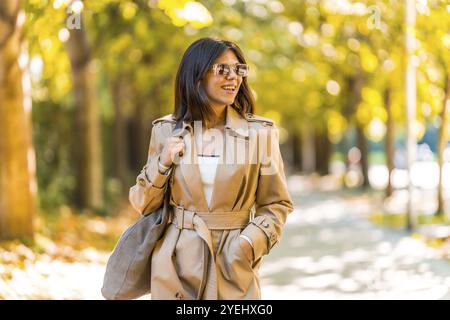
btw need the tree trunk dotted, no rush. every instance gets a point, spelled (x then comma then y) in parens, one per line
(355, 84)
(296, 150)
(389, 140)
(140, 135)
(363, 147)
(88, 150)
(308, 149)
(18, 186)
(120, 136)
(410, 104)
(323, 152)
(442, 142)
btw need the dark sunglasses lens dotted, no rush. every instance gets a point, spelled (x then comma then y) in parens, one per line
(242, 69)
(223, 69)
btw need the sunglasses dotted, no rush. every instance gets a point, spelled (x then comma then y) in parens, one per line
(241, 69)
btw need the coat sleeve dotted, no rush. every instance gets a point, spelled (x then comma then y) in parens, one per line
(147, 195)
(273, 202)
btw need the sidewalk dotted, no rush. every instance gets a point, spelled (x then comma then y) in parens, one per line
(329, 250)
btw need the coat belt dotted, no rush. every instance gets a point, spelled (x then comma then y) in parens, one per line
(202, 223)
(184, 219)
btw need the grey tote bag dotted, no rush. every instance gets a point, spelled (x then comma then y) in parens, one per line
(128, 271)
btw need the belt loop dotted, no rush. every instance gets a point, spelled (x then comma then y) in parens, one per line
(182, 217)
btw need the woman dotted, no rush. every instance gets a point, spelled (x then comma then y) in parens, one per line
(228, 188)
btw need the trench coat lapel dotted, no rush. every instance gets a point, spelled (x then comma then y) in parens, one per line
(189, 168)
(232, 161)
(236, 141)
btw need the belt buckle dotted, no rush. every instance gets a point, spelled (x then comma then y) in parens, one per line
(185, 220)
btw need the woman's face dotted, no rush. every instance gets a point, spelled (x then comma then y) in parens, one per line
(222, 89)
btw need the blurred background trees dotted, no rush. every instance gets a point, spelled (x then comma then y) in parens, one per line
(330, 73)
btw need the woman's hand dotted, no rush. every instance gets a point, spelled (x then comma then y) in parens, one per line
(247, 248)
(172, 146)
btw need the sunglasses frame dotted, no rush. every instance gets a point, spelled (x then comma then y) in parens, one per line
(227, 70)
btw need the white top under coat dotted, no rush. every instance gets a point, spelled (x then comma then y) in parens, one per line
(208, 167)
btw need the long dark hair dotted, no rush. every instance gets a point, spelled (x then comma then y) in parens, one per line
(191, 101)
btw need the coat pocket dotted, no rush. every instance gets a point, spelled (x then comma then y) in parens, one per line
(188, 258)
(238, 255)
(247, 254)
(235, 268)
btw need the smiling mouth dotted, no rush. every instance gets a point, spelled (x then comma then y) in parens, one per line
(229, 89)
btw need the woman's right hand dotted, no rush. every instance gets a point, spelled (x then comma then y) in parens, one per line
(172, 147)
(248, 249)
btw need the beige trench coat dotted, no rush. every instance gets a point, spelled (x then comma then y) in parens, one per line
(199, 256)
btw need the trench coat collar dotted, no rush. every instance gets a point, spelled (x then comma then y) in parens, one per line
(234, 122)
(181, 131)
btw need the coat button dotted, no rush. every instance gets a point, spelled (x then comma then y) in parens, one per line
(179, 296)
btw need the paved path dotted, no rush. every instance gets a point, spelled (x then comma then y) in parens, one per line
(329, 250)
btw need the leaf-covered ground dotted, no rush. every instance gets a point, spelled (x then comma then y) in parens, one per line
(67, 258)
